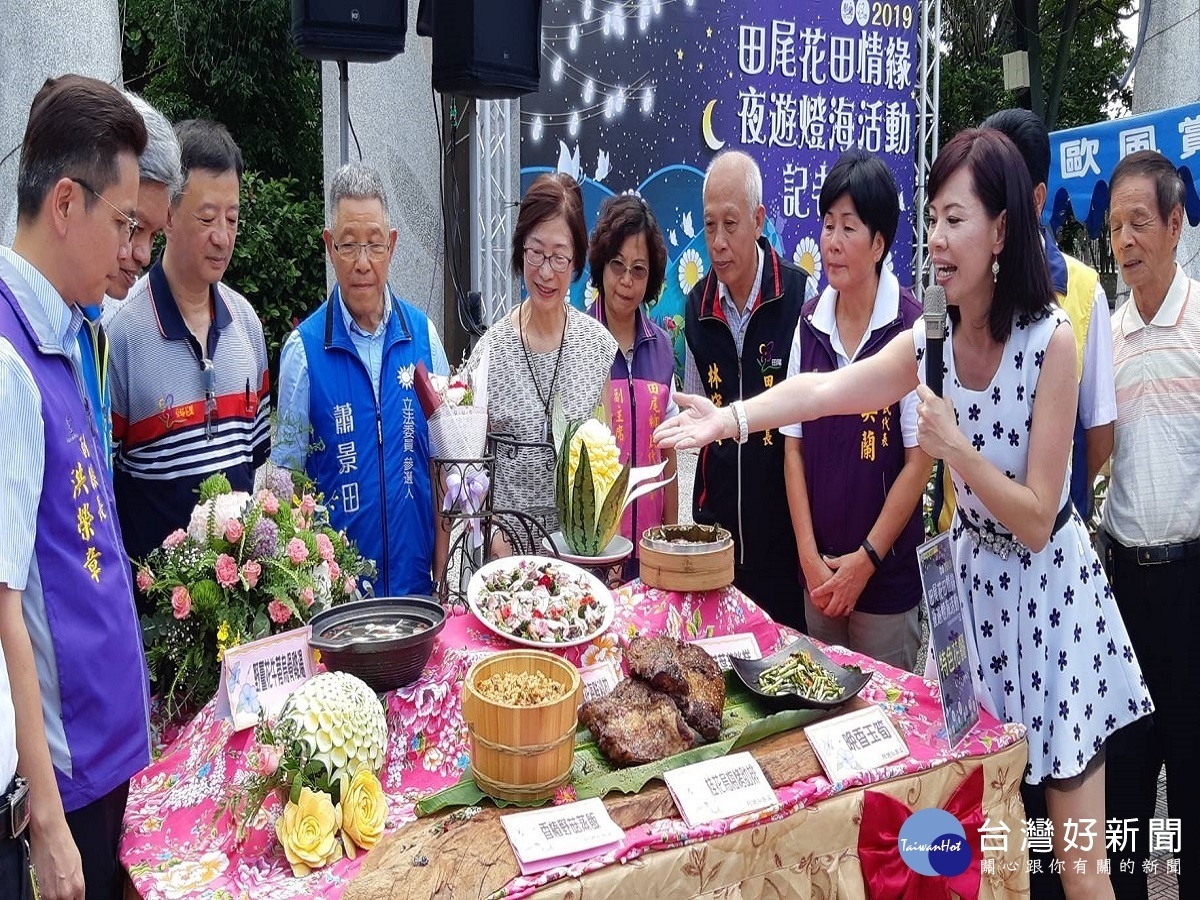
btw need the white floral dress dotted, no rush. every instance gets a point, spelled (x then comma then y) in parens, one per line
(1043, 632)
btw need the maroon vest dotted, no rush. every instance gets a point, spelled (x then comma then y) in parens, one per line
(850, 464)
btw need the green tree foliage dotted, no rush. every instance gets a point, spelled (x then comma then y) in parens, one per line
(1076, 81)
(234, 61)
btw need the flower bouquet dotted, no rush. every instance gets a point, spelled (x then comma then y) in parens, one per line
(591, 487)
(324, 754)
(456, 411)
(248, 565)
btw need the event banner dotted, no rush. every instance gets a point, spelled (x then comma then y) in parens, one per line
(640, 95)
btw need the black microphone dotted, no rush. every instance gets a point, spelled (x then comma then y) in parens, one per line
(935, 335)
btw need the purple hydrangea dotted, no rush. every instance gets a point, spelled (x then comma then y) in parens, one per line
(264, 538)
(279, 482)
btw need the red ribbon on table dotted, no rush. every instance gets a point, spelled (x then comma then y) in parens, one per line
(885, 872)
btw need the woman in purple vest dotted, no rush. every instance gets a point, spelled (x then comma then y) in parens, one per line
(628, 260)
(1045, 641)
(854, 482)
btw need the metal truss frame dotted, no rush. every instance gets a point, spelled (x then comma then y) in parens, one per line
(929, 78)
(495, 188)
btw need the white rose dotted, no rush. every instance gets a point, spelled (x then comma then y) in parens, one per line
(455, 395)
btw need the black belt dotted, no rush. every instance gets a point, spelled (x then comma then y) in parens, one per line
(14, 809)
(1156, 554)
(1001, 542)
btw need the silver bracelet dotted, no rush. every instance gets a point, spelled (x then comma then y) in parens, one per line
(739, 414)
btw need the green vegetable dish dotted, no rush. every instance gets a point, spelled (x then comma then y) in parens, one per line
(799, 674)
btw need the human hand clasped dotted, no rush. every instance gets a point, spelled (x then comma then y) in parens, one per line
(699, 422)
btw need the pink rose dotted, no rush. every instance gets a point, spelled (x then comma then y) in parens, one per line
(351, 584)
(325, 547)
(145, 580)
(174, 539)
(307, 597)
(181, 602)
(278, 612)
(308, 504)
(335, 571)
(227, 570)
(268, 760)
(251, 571)
(297, 550)
(233, 531)
(270, 503)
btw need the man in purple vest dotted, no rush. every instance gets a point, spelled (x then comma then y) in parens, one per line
(68, 626)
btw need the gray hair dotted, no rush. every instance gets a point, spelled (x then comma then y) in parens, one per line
(356, 181)
(160, 161)
(749, 169)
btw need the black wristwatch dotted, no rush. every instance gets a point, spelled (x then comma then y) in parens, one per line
(871, 554)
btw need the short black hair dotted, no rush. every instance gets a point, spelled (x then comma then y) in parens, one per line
(1169, 189)
(208, 145)
(621, 217)
(77, 128)
(1030, 136)
(872, 189)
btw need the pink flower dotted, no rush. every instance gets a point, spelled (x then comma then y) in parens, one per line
(306, 595)
(227, 570)
(268, 760)
(251, 572)
(335, 571)
(174, 539)
(278, 612)
(145, 579)
(308, 504)
(181, 602)
(233, 531)
(298, 519)
(297, 550)
(325, 547)
(351, 584)
(270, 503)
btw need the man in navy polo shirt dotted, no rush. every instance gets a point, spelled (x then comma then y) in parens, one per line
(188, 363)
(68, 626)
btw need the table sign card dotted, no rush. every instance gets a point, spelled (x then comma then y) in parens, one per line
(720, 788)
(256, 678)
(561, 835)
(598, 679)
(948, 646)
(856, 742)
(741, 646)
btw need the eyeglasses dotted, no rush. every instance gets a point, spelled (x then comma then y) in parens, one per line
(209, 373)
(537, 258)
(131, 223)
(637, 272)
(350, 251)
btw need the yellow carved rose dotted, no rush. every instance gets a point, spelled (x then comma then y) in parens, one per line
(603, 455)
(364, 810)
(308, 832)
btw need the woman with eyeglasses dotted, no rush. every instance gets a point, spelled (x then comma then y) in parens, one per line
(628, 260)
(542, 350)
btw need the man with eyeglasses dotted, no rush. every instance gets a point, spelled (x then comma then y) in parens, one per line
(348, 411)
(188, 361)
(70, 647)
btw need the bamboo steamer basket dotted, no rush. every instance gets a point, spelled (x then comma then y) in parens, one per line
(704, 564)
(522, 752)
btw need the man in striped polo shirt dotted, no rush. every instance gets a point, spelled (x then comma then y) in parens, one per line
(1151, 517)
(188, 362)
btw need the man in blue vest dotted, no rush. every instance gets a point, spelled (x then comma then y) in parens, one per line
(68, 625)
(348, 411)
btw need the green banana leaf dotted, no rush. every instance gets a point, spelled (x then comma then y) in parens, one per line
(745, 721)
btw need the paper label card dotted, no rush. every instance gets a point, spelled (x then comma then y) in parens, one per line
(856, 742)
(561, 835)
(740, 646)
(256, 678)
(598, 680)
(720, 788)
(947, 643)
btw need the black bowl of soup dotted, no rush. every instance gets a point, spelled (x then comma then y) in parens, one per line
(385, 641)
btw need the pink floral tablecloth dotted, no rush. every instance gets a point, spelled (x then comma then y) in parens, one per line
(177, 844)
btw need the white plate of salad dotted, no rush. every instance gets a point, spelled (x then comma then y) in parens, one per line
(537, 601)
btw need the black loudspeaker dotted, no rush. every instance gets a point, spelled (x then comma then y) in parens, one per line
(353, 30)
(490, 49)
